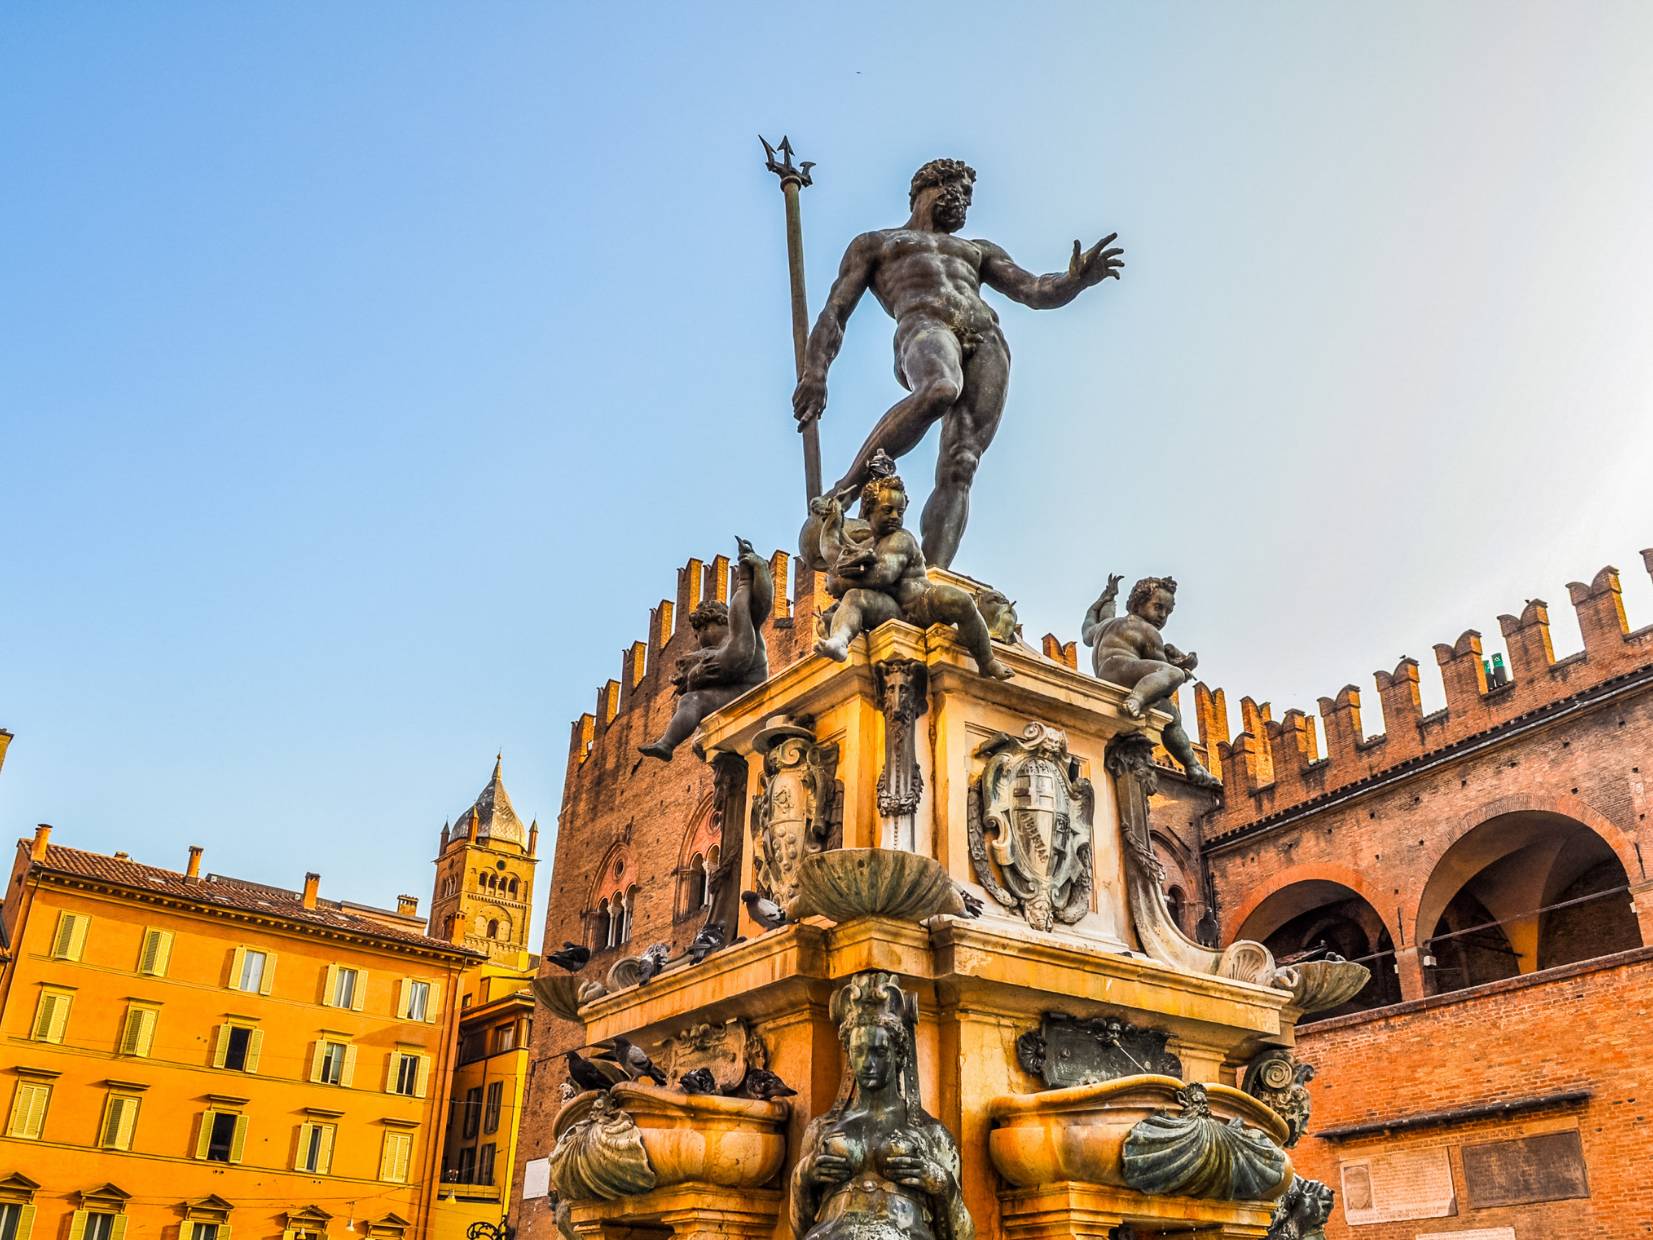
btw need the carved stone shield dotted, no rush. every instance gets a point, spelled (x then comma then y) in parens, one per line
(1030, 827)
(795, 808)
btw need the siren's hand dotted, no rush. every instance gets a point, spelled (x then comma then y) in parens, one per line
(916, 1171)
(1096, 264)
(809, 398)
(830, 1169)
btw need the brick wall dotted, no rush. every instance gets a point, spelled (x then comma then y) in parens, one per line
(1585, 1027)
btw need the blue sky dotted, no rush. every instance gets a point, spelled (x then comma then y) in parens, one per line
(366, 371)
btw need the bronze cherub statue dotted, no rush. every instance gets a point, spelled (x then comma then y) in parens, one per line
(876, 571)
(1129, 650)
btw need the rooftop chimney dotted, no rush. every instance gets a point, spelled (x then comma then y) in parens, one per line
(456, 929)
(193, 869)
(407, 906)
(312, 883)
(42, 837)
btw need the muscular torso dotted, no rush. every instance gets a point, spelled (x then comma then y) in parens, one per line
(1131, 637)
(931, 275)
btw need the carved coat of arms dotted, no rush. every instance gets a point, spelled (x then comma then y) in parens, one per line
(796, 806)
(1030, 827)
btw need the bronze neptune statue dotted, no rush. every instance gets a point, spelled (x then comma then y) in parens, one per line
(1129, 650)
(876, 1166)
(730, 657)
(949, 353)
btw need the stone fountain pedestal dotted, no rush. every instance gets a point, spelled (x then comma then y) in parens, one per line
(891, 751)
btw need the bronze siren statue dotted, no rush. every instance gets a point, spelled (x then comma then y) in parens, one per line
(949, 353)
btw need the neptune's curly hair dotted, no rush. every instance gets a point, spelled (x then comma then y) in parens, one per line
(939, 172)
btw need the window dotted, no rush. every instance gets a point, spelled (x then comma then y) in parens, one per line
(473, 1045)
(252, 971)
(626, 911)
(28, 1110)
(467, 1165)
(393, 1162)
(138, 1031)
(120, 1119)
(16, 1220)
(96, 1225)
(505, 1038)
(156, 953)
(485, 1165)
(69, 940)
(315, 1148)
(473, 1111)
(345, 988)
(205, 1231)
(333, 1063)
(238, 1048)
(416, 1004)
(51, 1015)
(407, 1074)
(222, 1136)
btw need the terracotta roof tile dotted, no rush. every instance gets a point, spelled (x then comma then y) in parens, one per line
(228, 893)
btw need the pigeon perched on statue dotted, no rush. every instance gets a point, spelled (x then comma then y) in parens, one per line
(765, 912)
(711, 937)
(587, 1075)
(635, 1060)
(764, 1084)
(651, 962)
(700, 1081)
(572, 958)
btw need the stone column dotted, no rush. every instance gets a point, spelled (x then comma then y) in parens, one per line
(1410, 968)
(902, 687)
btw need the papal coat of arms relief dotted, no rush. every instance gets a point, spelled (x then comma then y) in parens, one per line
(1030, 826)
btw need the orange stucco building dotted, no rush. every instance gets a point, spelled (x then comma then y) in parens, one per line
(187, 1055)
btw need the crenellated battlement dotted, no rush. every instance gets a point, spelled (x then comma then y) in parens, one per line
(646, 666)
(1271, 766)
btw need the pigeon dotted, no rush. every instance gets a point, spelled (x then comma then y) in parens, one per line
(700, 1081)
(635, 1060)
(972, 902)
(766, 913)
(762, 1083)
(586, 1074)
(572, 957)
(651, 962)
(711, 937)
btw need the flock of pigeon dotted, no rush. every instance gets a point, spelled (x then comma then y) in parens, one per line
(620, 1059)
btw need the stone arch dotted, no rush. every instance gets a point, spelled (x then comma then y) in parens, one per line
(696, 857)
(606, 896)
(1308, 915)
(1236, 923)
(1482, 912)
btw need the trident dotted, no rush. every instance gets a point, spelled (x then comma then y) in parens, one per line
(794, 179)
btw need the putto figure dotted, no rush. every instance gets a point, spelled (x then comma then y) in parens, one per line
(876, 1165)
(875, 570)
(730, 658)
(1129, 650)
(949, 353)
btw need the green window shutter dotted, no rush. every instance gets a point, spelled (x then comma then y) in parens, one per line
(238, 962)
(269, 973)
(70, 940)
(359, 998)
(433, 998)
(419, 1080)
(203, 1133)
(148, 1018)
(77, 1226)
(157, 952)
(392, 1062)
(28, 1110)
(347, 1075)
(330, 986)
(221, 1046)
(255, 1045)
(131, 1031)
(324, 1157)
(315, 1061)
(238, 1143)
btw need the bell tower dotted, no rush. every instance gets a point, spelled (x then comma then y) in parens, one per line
(484, 893)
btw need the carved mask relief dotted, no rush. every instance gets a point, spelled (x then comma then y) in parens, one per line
(1030, 827)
